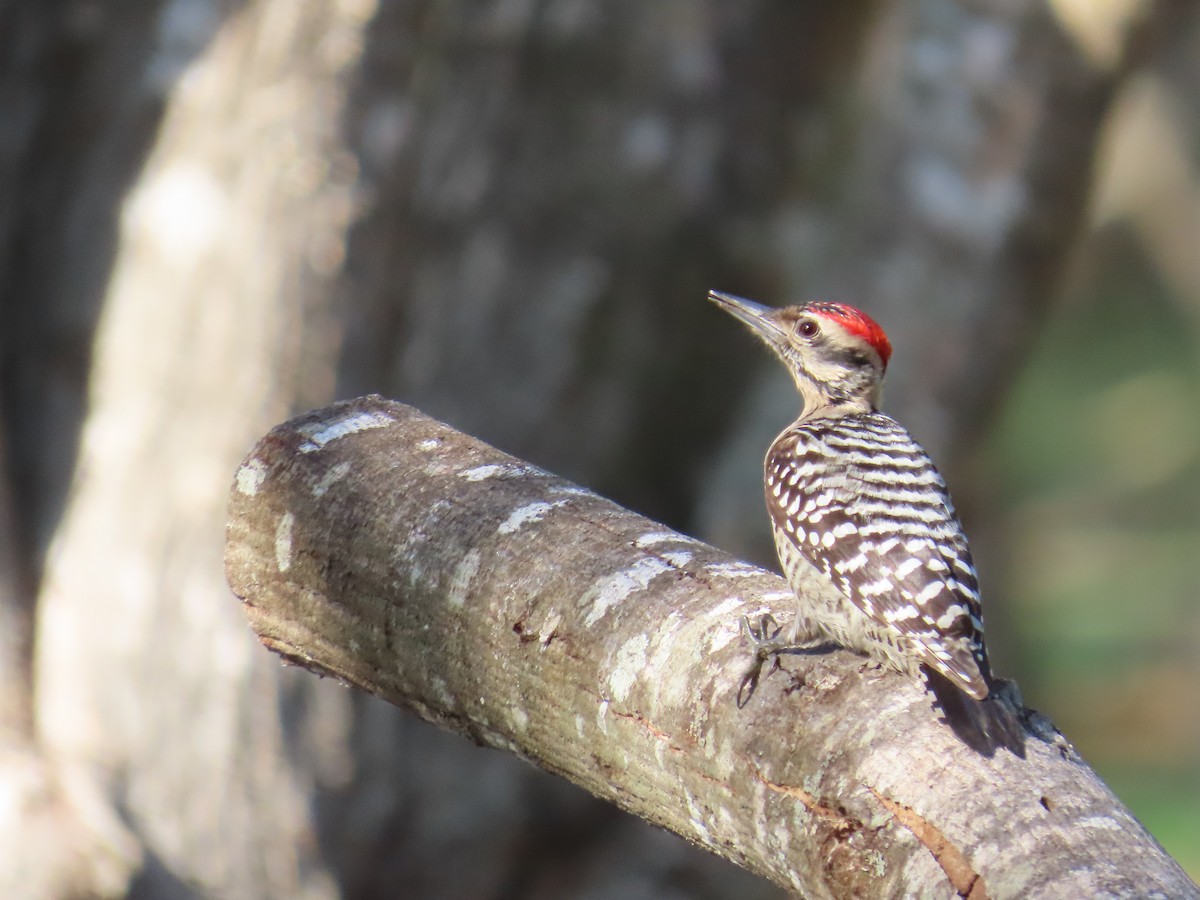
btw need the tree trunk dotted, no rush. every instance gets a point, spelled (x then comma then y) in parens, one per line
(150, 699)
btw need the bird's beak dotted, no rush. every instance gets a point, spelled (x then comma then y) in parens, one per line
(762, 320)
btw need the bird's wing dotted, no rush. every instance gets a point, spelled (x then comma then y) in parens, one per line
(868, 508)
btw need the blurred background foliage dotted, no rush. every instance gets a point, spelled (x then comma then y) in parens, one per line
(1096, 456)
(214, 213)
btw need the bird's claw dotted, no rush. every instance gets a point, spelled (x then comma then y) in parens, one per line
(763, 635)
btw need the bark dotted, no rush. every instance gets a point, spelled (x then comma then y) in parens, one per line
(373, 544)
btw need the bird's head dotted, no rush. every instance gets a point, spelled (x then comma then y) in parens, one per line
(836, 354)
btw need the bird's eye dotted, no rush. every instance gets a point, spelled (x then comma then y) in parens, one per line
(808, 328)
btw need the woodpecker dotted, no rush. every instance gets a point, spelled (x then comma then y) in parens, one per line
(851, 494)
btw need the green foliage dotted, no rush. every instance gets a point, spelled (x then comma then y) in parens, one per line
(1099, 453)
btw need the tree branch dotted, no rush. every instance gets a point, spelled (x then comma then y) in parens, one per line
(374, 544)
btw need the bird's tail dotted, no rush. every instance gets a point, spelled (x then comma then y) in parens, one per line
(983, 725)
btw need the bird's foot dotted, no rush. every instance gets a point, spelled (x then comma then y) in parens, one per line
(762, 635)
(768, 639)
(766, 636)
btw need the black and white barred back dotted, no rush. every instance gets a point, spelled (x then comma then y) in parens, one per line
(859, 499)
